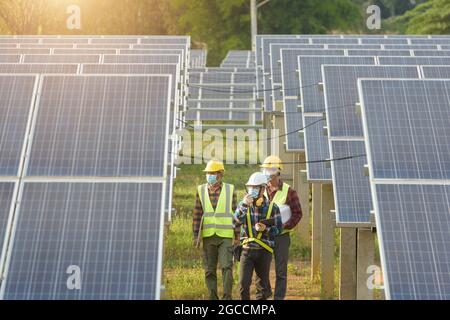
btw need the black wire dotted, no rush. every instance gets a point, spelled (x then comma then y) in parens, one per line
(216, 89)
(293, 162)
(268, 139)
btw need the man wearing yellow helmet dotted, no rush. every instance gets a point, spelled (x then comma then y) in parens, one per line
(213, 223)
(287, 200)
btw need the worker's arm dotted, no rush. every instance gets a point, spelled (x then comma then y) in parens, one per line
(276, 214)
(240, 214)
(197, 217)
(296, 210)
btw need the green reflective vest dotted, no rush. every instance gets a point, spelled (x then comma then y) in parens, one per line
(280, 199)
(220, 221)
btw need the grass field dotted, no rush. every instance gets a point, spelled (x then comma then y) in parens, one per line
(183, 270)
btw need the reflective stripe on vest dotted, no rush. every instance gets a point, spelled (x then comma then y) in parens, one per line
(280, 199)
(219, 221)
(258, 240)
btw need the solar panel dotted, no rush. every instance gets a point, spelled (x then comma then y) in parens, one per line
(444, 41)
(45, 46)
(428, 53)
(103, 46)
(383, 41)
(17, 95)
(410, 47)
(109, 232)
(115, 40)
(35, 68)
(174, 40)
(311, 76)
(414, 60)
(293, 122)
(172, 69)
(224, 91)
(61, 58)
(7, 197)
(335, 40)
(66, 40)
(316, 149)
(355, 46)
(155, 58)
(392, 53)
(436, 72)
(10, 58)
(352, 198)
(117, 126)
(85, 51)
(15, 41)
(406, 129)
(24, 51)
(341, 94)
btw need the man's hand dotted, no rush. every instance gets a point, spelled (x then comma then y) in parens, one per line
(260, 227)
(248, 200)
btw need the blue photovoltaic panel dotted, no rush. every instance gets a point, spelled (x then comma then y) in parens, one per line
(430, 41)
(6, 199)
(311, 76)
(85, 51)
(38, 68)
(355, 46)
(413, 227)
(62, 58)
(407, 125)
(410, 47)
(414, 60)
(316, 146)
(171, 69)
(383, 41)
(391, 53)
(441, 72)
(334, 40)
(432, 53)
(293, 121)
(109, 232)
(353, 201)
(116, 126)
(341, 94)
(17, 94)
(140, 58)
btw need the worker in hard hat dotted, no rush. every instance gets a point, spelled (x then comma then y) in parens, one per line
(287, 200)
(260, 221)
(213, 226)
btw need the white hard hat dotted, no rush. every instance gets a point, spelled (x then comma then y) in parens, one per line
(257, 179)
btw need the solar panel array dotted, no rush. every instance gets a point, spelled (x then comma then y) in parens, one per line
(87, 163)
(315, 78)
(225, 93)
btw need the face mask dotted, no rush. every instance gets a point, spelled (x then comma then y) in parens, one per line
(211, 178)
(254, 193)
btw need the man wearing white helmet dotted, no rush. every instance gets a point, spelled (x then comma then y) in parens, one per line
(261, 222)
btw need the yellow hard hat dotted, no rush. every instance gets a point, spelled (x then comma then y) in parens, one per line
(214, 166)
(272, 162)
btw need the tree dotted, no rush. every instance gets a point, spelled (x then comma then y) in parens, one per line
(431, 17)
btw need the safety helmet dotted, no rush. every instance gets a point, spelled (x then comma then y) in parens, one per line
(257, 179)
(272, 162)
(214, 166)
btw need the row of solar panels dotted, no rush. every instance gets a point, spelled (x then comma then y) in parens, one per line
(239, 59)
(223, 94)
(198, 58)
(405, 145)
(86, 172)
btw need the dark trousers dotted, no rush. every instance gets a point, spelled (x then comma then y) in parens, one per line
(257, 260)
(281, 255)
(218, 250)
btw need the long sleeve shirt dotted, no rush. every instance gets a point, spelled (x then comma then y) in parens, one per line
(293, 202)
(214, 193)
(256, 215)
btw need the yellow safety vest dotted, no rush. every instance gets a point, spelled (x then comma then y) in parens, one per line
(220, 221)
(280, 199)
(258, 240)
